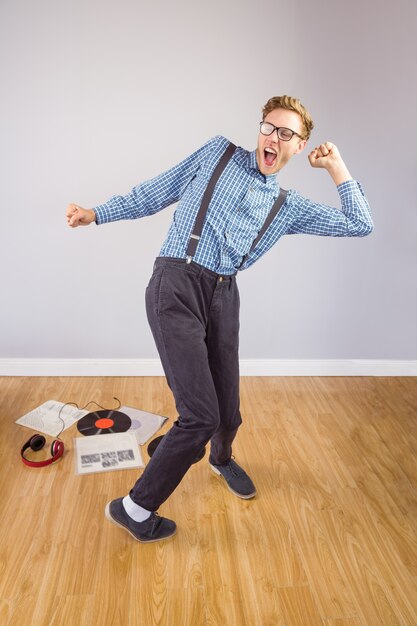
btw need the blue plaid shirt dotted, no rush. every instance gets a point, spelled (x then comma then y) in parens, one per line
(239, 206)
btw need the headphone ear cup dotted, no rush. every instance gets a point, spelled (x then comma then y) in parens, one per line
(54, 447)
(37, 442)
(57, 447)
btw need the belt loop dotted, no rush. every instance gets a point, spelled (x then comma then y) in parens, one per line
(200, 272)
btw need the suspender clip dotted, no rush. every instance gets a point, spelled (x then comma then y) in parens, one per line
(189, 259)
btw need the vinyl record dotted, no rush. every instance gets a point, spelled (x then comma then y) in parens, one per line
(103, 423)
(155, 443)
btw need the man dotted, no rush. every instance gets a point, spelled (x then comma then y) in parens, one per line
(192, 298)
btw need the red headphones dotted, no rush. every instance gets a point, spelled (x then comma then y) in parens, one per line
(37, 442)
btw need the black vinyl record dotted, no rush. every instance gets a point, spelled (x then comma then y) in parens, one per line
(155, 443)
(104, 422)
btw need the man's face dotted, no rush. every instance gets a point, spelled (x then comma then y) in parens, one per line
(273, 153)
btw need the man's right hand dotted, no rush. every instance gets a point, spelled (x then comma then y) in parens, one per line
(77, 216)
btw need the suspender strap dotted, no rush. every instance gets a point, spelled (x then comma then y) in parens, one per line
(199, 221)
(272, 213)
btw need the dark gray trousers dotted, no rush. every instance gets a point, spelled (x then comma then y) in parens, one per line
(194, 317)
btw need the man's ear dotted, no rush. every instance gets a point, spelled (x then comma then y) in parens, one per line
(301, 146)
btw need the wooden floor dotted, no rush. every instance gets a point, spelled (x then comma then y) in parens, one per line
(329, 540)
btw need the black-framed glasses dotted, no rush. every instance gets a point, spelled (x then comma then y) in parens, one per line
(285, 134)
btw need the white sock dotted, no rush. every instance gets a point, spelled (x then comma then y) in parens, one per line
(136, 512)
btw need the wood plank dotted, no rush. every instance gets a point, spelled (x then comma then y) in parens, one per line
(383, 589)
(326, 578)
(344, 621)
(299, 607)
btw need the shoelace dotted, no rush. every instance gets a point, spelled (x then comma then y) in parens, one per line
(235, 471)
(156, 520)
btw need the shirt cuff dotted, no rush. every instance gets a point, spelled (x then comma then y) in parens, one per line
(350, 186)
(102, 214)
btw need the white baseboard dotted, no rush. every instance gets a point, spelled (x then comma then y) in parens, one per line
(248, 367)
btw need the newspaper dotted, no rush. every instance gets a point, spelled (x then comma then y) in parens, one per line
(51, 418)
(104, 453)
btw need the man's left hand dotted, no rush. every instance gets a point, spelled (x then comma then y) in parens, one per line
(327, 155)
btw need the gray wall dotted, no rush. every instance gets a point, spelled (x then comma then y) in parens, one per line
(81, 81)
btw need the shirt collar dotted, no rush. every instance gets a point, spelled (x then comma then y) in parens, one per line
(252, 162)
(270, 181)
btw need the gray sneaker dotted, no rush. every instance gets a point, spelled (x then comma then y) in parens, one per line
(237, 480)
(154, 528)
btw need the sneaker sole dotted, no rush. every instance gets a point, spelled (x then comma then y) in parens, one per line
(239, 495)
(116, 523)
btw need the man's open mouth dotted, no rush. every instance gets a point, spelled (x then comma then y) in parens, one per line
(270, 156)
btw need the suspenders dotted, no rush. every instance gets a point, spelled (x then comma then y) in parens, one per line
(199, 221)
